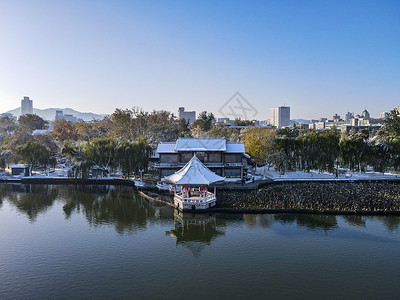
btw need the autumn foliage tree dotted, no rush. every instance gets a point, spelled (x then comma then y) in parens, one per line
(259, 144)
(63, 130)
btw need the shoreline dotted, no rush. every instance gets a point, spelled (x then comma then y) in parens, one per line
(358, 197)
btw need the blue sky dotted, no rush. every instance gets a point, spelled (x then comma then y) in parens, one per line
(318, 57)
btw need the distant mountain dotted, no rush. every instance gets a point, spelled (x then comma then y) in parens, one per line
(50, 113)
(298, 121)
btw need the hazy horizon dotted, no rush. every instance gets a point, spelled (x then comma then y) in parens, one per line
(318, 57)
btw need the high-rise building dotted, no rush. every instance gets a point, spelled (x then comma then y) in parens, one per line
(349, 116)
(26, 106)
(59, 114)
(384, 115)
(189, 116)
(67, 117)
(336, 118)
(280, 116)
(365, 114)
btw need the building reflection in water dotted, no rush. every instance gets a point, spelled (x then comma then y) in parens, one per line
(258, 220)
(196, 231)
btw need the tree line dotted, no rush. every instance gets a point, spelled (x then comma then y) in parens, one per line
(123, 141)
(327, 150)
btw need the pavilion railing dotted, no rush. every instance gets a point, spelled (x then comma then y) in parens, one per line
(207, 196)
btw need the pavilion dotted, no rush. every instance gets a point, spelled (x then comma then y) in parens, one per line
(194, 179)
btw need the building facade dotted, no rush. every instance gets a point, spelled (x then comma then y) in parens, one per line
(280, 116)
(26, 106)
(189, 116)
(358, 128)
(67, 117)
(349, 116)
(226, 159)
(365, 114)
(384, 115)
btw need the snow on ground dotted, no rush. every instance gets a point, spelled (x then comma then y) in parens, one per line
(231, 179)
(139, 183)
(316, 175)
(260, 173)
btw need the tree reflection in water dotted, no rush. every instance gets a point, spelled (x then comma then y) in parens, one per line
(392, 223)
(3, 193)
(310, 221)
(122, 208)
(31, 199)
(358, 221)
(116, 205)
(195, 231)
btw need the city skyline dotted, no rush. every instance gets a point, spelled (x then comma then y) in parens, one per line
(317, 57)
(181, 112)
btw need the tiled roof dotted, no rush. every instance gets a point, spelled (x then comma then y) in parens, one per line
(192, 144)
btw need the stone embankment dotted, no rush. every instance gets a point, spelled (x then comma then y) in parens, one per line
(323, 197)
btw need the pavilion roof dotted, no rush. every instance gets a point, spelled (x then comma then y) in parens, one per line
(194, 173)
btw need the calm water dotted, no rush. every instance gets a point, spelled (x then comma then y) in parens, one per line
(106, 242)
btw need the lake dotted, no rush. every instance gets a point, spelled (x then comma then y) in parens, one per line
(66, 241)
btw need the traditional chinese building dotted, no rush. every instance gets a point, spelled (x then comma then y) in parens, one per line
(224, 158)
(194, 180)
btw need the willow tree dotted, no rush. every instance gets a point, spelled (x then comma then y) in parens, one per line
(126, 157)
(81, 166)
(35, 155)
(319, 150)
(354, 151)
(101, 152)
(286, 147)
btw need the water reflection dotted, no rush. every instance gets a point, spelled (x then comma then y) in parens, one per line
(126, 211)
(258, 220)
(118, 206)
(195, 231)
(313, 222)
(31, 199)
(392, 223)
(358, 221)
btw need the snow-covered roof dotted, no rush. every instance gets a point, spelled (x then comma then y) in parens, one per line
(192, 144)
(194, 173)
(204, 144)
(39, 131)
(166, 148)
(235, 148)
(18, 166)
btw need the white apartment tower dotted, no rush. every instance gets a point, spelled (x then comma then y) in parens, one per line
(187, 115)
(280, 116)
(26, 106)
